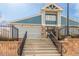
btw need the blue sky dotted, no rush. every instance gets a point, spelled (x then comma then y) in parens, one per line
(9, 12)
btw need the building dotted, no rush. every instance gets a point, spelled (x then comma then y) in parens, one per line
(36, 26)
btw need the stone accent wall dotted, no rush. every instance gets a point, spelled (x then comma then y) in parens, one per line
(71, 47)
(9, 48)
(43, 32)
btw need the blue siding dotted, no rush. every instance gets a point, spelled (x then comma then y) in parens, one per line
(51, 22)
(71, 22)
(33, 20)
(37, 20)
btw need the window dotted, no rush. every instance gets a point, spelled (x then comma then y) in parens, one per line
(51, 17)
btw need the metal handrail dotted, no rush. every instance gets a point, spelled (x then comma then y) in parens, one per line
(20, 50)
(56, 42)
(56, 39)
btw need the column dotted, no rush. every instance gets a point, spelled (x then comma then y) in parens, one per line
(43, 17)
(59, 19)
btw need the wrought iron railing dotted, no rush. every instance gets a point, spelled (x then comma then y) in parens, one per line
(56, 42)
(8, 31)
(57, 35)
(20, 50)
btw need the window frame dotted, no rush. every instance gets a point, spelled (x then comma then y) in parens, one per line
(55, 20)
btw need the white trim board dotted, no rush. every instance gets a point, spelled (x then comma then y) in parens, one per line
(53, 4)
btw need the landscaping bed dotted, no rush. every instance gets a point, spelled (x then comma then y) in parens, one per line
(9, 47)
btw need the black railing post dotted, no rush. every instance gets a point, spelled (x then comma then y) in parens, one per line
(17, 34)
(67, 19)
(20, 50)
(61, 50)
(12, 31)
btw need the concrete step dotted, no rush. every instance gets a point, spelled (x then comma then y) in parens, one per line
(41, 54)
(39, 48)
(47, 45)
(38, 43)
(38, 40)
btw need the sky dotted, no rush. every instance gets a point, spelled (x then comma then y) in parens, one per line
(10, 12)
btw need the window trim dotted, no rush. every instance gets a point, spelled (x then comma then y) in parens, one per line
(51, 19)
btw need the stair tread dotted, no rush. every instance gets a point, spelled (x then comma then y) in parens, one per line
(39, 47)
(38, 52)
(38, 40)
(41, 51)
(39, 43)
(41, 54)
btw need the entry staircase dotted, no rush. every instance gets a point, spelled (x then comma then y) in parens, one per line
(50, 46)
(39, 47)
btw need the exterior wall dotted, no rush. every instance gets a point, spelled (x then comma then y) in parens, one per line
(33, 31)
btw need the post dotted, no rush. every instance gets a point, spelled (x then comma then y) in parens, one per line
(43, 17)
(17, 34)
(61, 50)
(67, 19)
(12, 31)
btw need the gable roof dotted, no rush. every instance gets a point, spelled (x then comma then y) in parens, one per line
(37, 13)
(52, 6)
(36, 19)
